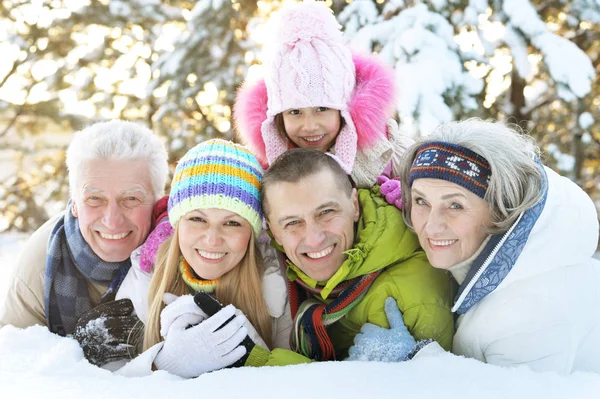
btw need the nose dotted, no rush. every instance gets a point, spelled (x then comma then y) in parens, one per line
(310, 122)
(113, 216)
(314, 235)
(436, 224)
(213, 236)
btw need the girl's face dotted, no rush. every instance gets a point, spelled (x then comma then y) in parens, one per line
(213, 241)
(314, 127)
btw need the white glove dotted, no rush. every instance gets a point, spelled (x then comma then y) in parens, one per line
(190, 352)
(252, 333)
(176, 307)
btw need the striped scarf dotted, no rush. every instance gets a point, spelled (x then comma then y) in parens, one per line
(70, 265)
(311, 317)
(193, 281)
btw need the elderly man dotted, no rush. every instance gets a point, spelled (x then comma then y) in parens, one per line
(346, 251)
(117, 172)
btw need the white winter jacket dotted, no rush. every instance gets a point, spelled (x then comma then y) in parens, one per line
(532, 296)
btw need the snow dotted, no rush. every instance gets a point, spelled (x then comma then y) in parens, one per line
(421, 46)
(568, 65)
(565, 162)
(518, 48)
(586, 120)
(38, 364)
(10, 244)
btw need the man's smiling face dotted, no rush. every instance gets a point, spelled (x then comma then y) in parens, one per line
(313, 220)
(113, 205)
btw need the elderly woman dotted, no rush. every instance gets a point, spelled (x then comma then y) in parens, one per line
(517, 237)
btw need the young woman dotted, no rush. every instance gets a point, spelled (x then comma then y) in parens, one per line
(215, 213)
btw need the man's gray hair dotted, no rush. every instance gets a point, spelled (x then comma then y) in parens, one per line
(118, 140)
(516, 182)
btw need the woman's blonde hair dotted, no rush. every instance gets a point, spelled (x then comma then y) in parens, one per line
(241, 287)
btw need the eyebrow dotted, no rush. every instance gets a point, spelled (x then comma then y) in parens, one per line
(126, 192)
(92, 190)
(444, 197)
(134, 191)
(232, 216)
(330, 204)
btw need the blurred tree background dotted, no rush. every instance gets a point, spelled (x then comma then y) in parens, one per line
(174, 66)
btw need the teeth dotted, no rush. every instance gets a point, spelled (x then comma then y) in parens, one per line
(211, 255)
(311, 139)
(320, 254)
(442, 243)
(114, 236)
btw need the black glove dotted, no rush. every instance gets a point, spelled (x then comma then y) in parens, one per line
(210, 306)
(109, 332)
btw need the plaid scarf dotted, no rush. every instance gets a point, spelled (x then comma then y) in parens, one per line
(70, 265)
(311, 317)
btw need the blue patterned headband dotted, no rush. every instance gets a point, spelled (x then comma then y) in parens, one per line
(453, 163)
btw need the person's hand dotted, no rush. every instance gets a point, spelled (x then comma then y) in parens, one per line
(109, 332)
(375, 343)
(391, 190)
(252, 333)
(213, 344)
(177, 307)
(210, 305)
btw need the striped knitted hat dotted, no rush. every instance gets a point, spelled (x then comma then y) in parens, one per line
(453, 163)
(217, 174)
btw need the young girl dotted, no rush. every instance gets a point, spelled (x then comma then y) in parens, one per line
(215, 211)
(316, 94)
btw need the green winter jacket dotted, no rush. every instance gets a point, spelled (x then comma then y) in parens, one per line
(423, 294)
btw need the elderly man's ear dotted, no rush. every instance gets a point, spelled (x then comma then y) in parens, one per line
(74, 209)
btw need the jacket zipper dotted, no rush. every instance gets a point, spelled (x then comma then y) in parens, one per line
(485, 264)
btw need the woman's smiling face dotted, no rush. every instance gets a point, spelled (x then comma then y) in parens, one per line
(213, 241)
(449, 220)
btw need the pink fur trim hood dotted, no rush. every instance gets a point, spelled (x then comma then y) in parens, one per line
(371, 105)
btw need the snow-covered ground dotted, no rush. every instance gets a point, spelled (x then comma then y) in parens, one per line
(37, 364)
(10, 244)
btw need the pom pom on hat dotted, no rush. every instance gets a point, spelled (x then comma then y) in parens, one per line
(217, 174)
(306, 21)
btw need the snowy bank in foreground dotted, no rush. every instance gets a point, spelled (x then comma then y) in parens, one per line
(37, 364)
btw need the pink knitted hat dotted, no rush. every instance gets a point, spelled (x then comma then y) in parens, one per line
(309, 66)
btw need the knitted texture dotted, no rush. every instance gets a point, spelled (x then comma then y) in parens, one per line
(371, 105)
(308, 65)
(453, 163)
(71, 265)
(192, 281)
(150, 247)
(310, 337)
(217, 174)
